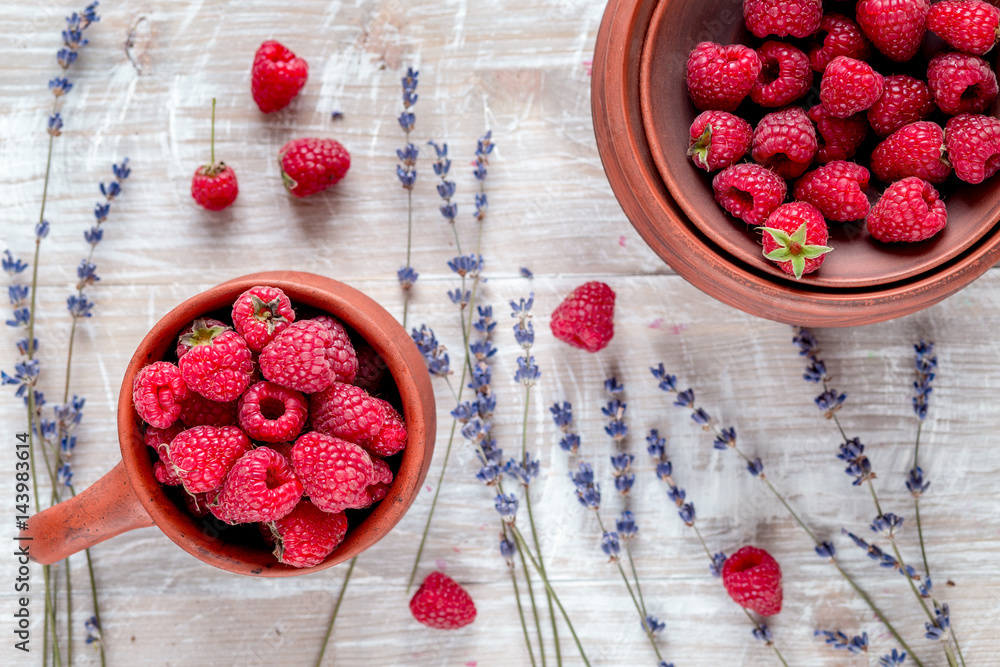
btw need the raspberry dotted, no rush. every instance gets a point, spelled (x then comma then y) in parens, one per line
(201, 456)
(849, 86)
(720, 77)
(795, 237)
(909, 210)
(197, 503)
(895, 27)
(917, 149)
(277, 76)
(260, 313)
(332, 471)
(785, 75)
(260, 486)
(749, 192)
(342, 356)
(971, 26)
(585, 318)
(378, 489)
(441, 603)
(718, 139)
(973, 146)
(159, 439)
(785, 141)
(371, 367)
(214, 185)
(798, 18)
(839, 138)
(753, 580)
(158, 392)
(196, 410)
(218, 366)
(297, 358)
(961, 83)
(309, 166)
(307, 535)
(346, 412)
(391, 437)
(198, 331)
(843, 38)
(904, 100)
(837, 189)
(272, 413)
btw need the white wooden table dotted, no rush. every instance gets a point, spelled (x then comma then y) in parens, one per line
(520, 68)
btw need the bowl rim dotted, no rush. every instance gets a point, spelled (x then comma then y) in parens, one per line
(359, 312)
(656, 216)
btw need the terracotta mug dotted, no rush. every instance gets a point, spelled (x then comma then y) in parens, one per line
(129, 496)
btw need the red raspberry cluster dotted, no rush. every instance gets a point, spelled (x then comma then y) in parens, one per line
(822, 148)
(260, 422)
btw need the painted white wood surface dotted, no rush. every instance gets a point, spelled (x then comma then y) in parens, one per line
(520, 68)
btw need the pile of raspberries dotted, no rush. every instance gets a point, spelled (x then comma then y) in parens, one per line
(273, 420)
(816, 149)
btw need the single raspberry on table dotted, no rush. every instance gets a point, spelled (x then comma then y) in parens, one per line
(441, 603)
(895, 27)
(332, 471)
(909, 210)
(341, 353)
(837, 190)
(199, 411)
(585, 318)
(277, 76)
(158, 392)
(218, 365)
(307, 535)
(838, 138)
(917, 149)
(749, 191)
(795, 238)
(840, 37)
(718, 139)
(961, 83)
(797, 18)
(391, 438)
(346, 412)
(297, 358)
(785, 141)
(753, 580)
(720, 77)
(260, 313)
(214, 185)
(201, 456)
(849, 86)
(785, 75)
(261, 486)
(159, 439)
(371, 367)
(904, 100)
(272, 413)
(200, 330)
(971, 26)
(312, 165)
(973, 143)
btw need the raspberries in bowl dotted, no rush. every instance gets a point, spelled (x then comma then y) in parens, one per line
(821, 84)
(298, 435)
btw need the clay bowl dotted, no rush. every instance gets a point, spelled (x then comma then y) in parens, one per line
(673, 209)
(130, 497)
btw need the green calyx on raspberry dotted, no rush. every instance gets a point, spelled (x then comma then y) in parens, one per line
(699, 149)
(793, 248)
(290, 183)
(267, 311)
(201, 334)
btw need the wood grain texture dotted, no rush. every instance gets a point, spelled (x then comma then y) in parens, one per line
(515, 66)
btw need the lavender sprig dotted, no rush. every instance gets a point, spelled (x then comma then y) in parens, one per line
(725, 439)
(446, 189)
(406, 171)
(924, 366)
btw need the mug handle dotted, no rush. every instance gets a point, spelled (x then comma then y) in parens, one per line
(106, 508)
